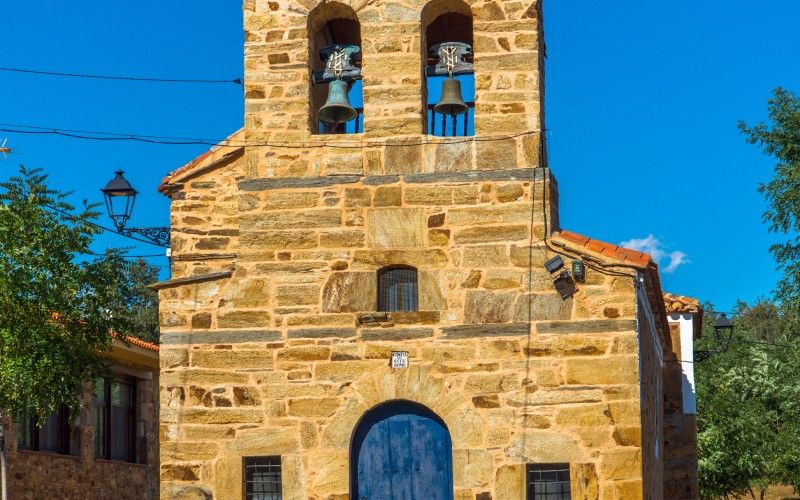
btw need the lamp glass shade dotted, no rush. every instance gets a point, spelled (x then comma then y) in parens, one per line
(723, 323)
(120, 197)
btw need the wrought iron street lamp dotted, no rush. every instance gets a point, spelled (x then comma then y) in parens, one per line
(722, 327)
(120, 197)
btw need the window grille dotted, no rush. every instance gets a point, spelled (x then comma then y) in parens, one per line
(548, 482)
(397, 289)
(262, 478)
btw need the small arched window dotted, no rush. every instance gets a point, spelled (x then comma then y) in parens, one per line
(397, 289)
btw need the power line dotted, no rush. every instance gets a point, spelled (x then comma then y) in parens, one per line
(98, 226)
(237, 81)
(186, 141)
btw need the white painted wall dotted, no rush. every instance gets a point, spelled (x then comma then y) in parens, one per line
(686, 322)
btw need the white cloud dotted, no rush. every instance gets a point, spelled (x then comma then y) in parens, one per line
(650, 244)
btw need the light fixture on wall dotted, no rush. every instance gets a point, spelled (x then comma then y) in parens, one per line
(562, 281)
(120, 198)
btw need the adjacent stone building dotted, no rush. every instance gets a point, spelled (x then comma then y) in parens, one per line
(108, 451)
(384, 312)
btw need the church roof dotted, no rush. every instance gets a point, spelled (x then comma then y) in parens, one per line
(220, 151)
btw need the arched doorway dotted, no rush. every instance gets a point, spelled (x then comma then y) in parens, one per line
(401, 451)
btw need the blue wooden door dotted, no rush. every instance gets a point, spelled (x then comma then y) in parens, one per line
(402, 451)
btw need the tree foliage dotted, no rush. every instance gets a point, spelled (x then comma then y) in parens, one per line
(781, 140)
(748, 397)
(58, 302)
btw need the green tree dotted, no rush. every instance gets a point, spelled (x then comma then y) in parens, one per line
(780, 139)
(748, 396)
(58, 303)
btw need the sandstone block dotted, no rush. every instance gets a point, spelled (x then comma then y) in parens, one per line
(304, 353)
(232, 360)
(396, 227)
(171, 358)
(342, 238)
(292, 219)
(350, 292)
(313, 407)
(298, 295)
(471, 468)
(277, 200)
(490, 384)
(488, 307)
(452, 157)
(604, 371)
(509, 482)
(621, 463)
(485, 256)
(388, 196)
(488, 234)
(542, 306)
(490, 214)
(243, 319)
(278, 239)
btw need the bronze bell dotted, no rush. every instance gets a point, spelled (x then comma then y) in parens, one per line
(451, 102)
(337, 108)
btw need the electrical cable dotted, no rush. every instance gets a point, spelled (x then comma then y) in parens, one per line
(185, 141)
(98, 226)
(237, 81)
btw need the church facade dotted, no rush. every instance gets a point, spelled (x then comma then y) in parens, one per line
(386, 306)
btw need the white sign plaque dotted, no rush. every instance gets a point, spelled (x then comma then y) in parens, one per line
(399, 359)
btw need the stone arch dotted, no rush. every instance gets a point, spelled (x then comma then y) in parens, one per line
(416, 384)
(436, 436)
(328, 23)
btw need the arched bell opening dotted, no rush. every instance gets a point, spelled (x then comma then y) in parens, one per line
(335, 95)
(401, 450)
(448, 74)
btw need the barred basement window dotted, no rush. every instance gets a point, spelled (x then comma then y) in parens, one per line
(397, 289)
(262, 478)
(548, 482)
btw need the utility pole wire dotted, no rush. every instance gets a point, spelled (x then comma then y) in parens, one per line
(237, 81)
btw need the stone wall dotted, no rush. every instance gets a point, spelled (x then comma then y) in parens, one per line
(35, 475)
(281, 351)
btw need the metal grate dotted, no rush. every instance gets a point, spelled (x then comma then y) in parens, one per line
(397, 289)
(262, 478)
(451, 126)
(548, 482)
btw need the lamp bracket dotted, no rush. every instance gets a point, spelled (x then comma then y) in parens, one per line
(158, 235)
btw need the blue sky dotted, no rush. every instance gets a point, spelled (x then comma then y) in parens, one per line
(642, 104)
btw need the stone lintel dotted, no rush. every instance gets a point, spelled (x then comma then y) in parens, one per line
(377, 180)
(197, 278)
(514, 174)
(203, 256)
(587, 326)
(220, 336)
(486, 330)
(296, 182)
(319, 333)
(392, 333)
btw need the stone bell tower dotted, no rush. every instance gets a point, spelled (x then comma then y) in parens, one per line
(338, 282)
(281, 52)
